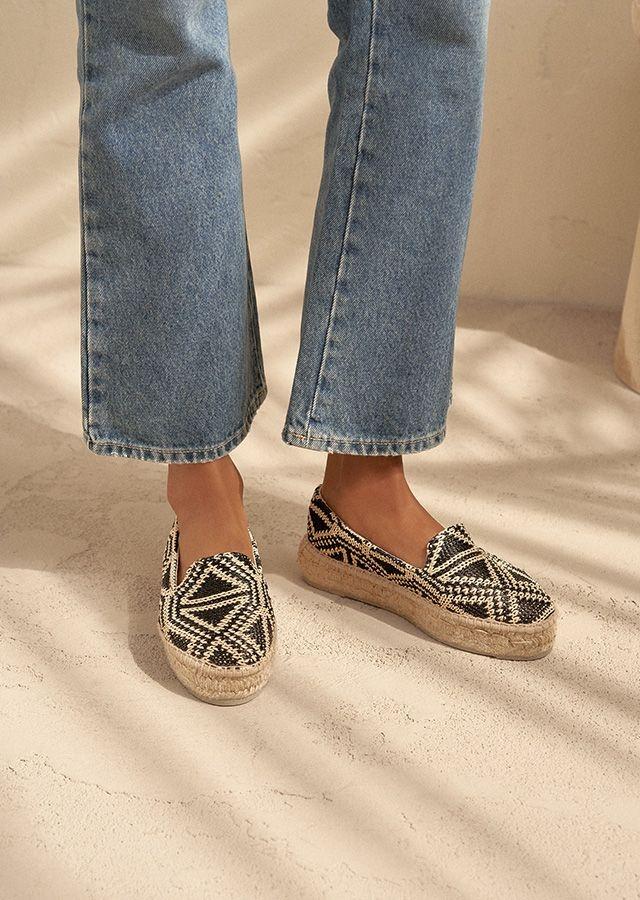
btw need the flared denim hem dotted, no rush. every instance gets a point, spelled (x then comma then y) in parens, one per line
(168, 295)
(182, 454)
(332, 444)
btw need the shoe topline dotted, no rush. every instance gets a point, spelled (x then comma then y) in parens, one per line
(463, 596)
(217, 626)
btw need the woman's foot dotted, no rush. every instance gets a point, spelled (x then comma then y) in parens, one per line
(217, 624)
(371, 494)
(361, 543)
(216, 620)
(208, 503)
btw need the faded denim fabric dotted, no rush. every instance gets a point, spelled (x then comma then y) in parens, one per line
(171, 362)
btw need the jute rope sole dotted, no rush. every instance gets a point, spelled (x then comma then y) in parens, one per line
(214, 684)
(458, 630)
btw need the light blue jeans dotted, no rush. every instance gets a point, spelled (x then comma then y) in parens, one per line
(172, 367)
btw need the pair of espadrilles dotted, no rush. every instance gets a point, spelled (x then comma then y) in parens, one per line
(218, 627)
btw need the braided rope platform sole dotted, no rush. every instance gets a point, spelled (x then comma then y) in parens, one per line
(214, 684)
(475, 635)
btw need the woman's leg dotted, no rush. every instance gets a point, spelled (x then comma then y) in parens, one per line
(374, 369)
(171, 362)
(373, 377)
(171, 359)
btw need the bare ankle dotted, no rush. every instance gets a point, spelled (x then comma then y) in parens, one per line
(193, 488)
(359, 477)
(207, 500)
(372, 496)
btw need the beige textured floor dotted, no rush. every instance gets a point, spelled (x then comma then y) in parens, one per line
(377, 763)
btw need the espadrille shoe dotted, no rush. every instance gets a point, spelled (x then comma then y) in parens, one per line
(217, 626)
(463, 595)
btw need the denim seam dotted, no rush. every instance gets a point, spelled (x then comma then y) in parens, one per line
(221, 447)
(332, 437)
(86, 392)
(330, 444)
(347, 226)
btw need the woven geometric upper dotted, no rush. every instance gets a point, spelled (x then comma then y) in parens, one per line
(457, 574)
(221, 612)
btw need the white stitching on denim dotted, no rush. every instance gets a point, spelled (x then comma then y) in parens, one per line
(368, 442)
(253, 406)
(347, 227)
(85, 227)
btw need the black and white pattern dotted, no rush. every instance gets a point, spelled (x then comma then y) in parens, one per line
(458, 574)
(221, 612)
